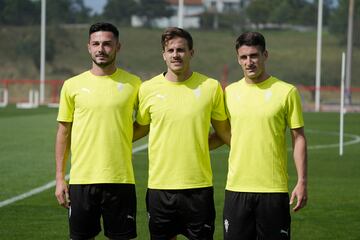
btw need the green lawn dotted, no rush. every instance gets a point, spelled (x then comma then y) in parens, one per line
(27, 162)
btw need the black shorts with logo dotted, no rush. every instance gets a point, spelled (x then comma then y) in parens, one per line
(115, 203)
(254, 216)
(190, 212)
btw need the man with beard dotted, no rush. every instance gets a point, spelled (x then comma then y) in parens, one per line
(95, 124)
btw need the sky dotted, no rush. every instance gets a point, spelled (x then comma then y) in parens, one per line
(96, 5)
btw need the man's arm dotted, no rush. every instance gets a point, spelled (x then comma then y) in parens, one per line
(221, 135)
(62, 149)
(300, 158)
(140, 131)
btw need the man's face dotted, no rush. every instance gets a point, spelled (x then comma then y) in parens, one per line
(252, 61)
(103, 47)
(177, 55)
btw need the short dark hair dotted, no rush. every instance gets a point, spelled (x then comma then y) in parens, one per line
(173, 32)
(104, 26)
(251, 39)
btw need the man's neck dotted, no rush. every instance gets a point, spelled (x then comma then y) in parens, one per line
(178, 77)
(257, 80)
(105, 71)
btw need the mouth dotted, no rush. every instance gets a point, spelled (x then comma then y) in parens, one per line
(251, 69)
(101, 56)
(176, 62)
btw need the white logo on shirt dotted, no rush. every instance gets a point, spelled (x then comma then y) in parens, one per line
(160, 96)
(197, 92)
(284, 232)
(85, 90)
(226, 225)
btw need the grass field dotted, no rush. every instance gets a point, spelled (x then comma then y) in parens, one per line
(27, 161)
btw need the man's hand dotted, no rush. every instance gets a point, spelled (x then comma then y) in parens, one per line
(62, 193)
(300, 193)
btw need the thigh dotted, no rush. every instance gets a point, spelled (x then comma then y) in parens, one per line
(119, 210)
(84, 211)
(162, 211)
(197, 212)
(239, 216)
(273, 216)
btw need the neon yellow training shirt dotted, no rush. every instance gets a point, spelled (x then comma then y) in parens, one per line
(259, 115)
(179, 114)
(101, 111)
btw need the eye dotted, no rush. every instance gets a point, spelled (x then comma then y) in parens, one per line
(243, 57)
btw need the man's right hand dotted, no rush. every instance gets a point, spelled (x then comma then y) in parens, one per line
(62, 193)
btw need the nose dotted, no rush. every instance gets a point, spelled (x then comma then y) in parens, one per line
(175, 53)
(248, 60)
(100, 48)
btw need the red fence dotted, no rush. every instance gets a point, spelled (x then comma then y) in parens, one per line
(18, 89)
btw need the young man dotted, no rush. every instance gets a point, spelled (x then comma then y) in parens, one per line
(178, 107)
(95, 122)
(260, 108)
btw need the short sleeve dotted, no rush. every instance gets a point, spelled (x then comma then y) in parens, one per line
(294, 109)
(66, 106)
(143, 114)
(218, 110)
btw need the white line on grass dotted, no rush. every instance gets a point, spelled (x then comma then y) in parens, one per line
(48, 185)
(355, 140)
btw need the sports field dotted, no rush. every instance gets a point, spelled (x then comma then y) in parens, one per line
(27, 163)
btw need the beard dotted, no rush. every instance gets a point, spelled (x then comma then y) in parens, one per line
(104, 64)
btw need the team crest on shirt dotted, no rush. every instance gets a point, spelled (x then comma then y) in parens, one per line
(120, 87)
(268, 95)
(197, 92)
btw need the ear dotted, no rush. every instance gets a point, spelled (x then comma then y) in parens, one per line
(192, 52)
(88, 46)
(238, 59)
(163, 54)
(118, 47)
(266, 54)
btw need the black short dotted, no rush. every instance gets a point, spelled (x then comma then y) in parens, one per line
(115, 203)
(256, 216)
(189, 212)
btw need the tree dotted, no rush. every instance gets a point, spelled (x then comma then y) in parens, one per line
(258, 11)
(338, 23)
(19, 12)
(282, 14)
(66, 11)
(152, 9)
(120, 11)
(27, 12)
